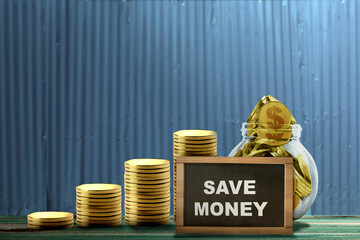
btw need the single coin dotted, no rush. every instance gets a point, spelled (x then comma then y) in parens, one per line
(39, 223)
(149, 205)
(99, 209)
(99, 214)
(147, 191)
(274, 116)
(137, 196)
(195, 142)
(204, 154)
(156, 187)
(50, 216)
(84, 218)
(194, 134)
(158, 216)
(145, 212)
(116, 221)
(36, 227)
(184, 149)
(136, 200)
(153, 221)
(147, 182)
(134, 223)
(99, 188)
(98, 200)
(154, 176)
(89, 225)
(96, 204)
(111, 195)
(147, 163)
(105, 207)
(154, 170)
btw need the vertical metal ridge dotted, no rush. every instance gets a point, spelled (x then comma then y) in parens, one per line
(87, 85)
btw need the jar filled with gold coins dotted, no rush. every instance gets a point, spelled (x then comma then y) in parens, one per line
(305, 171)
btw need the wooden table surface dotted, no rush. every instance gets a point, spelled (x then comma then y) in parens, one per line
(308, 227)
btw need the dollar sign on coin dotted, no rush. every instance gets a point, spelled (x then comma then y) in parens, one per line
(274, 124)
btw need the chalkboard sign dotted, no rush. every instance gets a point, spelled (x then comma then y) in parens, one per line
(234, 195)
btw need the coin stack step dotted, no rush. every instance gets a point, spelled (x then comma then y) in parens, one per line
(50, 220)
(98, 205)
(147, 191)
(193, 143)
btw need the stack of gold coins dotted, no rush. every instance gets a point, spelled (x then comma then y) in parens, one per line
(50, 220)
(193, 143)
(147, 192)
(98, 205)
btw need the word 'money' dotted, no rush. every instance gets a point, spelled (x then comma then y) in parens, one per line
(246, 187)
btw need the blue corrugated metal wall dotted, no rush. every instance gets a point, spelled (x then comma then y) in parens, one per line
(86, 85)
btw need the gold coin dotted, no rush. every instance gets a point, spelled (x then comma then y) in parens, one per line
(84, 218)
(196, 144)
(204, 154)
(111, 195)
(98, 200)
(147, 182)
(98, 210)
(137, 200)
(90, 222)
(156, 187)
(50, 216)
(147, 163)
(44, 224)
(99, 214)
(96, 204)
(145, 212)
(274, 116)
(164, 209)
(148, 190)
(135, 223)
(135, 216)
(36, 227)
(149, 205)
(177, 149)
(138, 220)
(296, 201)
(114, 224)
(194, 134)
(137, 196)
(148, 176)
(146, 171)
(105, 207)
(98, 188)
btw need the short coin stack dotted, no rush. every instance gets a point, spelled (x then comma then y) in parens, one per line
(193, 143)
(50, 220)
(147, 191)
(98, 205)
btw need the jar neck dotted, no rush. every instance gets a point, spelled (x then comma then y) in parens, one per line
(296, 131)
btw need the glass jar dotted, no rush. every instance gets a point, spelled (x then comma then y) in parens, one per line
(295, 148)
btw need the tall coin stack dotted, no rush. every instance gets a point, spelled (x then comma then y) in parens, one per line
(50, 220)
(193, 143)
(98, 205)
(147, 192)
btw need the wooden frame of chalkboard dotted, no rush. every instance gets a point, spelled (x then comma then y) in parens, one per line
(278, 168)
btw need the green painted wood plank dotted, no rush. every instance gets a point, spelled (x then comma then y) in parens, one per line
(309, 227)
